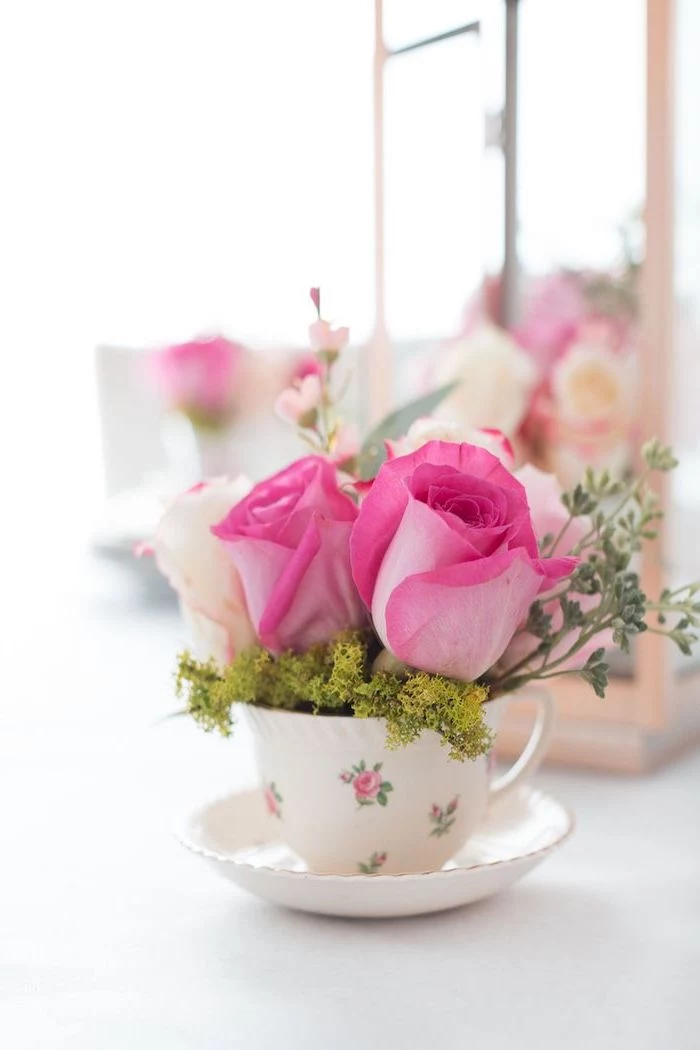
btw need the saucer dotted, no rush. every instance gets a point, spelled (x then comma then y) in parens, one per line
(239, 838)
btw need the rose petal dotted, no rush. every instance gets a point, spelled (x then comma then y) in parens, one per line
(459, 620)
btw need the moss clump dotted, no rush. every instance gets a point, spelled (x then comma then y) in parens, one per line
(337, 678)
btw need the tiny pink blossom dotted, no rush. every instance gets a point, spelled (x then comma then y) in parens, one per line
(323, 337)
(346, 777)
(306, 364)
(436, 811)
(296, 401)
(367, 784)
(315, 294)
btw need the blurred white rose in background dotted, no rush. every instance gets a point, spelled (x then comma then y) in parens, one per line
(496, 379)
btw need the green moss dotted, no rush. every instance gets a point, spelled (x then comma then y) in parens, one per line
(337, 678)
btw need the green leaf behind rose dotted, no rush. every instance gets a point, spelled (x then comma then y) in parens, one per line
(394, 426)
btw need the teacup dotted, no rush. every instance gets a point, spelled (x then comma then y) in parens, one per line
(348, 805)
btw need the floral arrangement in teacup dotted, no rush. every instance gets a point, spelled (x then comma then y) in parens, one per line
(373, 605)
(561, 383)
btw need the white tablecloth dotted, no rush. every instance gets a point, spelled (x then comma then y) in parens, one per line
(112, 937)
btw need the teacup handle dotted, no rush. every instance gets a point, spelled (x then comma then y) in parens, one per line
(535, 749)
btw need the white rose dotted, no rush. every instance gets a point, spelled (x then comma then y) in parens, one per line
(428, 429)
(592, 383)
(496, 378)
(197, 567)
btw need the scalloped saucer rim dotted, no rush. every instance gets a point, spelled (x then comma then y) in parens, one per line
(240, 839)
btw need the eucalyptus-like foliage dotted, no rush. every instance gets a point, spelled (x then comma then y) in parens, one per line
(622, 515)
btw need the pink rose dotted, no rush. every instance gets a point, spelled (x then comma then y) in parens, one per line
(445, 555)
(367, 784)
(289, 541)
(199, 376)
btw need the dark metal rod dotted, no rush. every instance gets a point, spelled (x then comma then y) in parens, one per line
(470, 27)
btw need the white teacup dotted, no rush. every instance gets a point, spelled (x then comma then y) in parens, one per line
(346, 804)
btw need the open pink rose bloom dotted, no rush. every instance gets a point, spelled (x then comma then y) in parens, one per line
(289, 540)
(445, 556)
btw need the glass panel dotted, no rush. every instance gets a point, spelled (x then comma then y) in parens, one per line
(433, 151)
(582, 129)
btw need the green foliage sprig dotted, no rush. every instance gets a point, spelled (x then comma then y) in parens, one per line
(622, 515)
(337, 678)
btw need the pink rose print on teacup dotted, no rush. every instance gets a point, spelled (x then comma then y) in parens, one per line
(368, 784)
(443, 817)
(372, 866)
(273, 800)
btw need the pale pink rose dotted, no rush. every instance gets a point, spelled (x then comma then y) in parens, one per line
(428, 429)
(197, 567)
(549, 516)
(367, 784)
(323, 336)
(445, 555)
(201, 376)
(289, 540)
(296, 401)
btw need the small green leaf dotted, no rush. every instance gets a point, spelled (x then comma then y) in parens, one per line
(395, 425)
(378, 766)
(382, 799)
(386, 786)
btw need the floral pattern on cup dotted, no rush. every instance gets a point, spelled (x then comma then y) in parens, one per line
(372, 866)
(273, 800)
(368, 784)
(443, 818)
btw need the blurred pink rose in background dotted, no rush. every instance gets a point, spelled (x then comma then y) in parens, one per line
(553, 309)
(445, 555)
(200, 377)
(289, 541)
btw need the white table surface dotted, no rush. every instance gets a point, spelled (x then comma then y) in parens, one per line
(111, 936)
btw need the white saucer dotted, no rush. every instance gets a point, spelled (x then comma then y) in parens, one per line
(238, 837)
